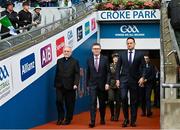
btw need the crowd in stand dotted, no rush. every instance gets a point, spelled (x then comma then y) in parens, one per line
(33, 3)
(23, 18)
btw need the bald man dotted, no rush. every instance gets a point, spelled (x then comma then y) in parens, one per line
(66, 82)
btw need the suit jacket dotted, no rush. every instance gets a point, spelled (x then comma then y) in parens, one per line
(67, 73)
(100, 78)
(131, 73)
(150, 73)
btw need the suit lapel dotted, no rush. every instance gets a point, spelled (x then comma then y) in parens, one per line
(100, 62)
(126, 55)
(92, 63)
(135, 55)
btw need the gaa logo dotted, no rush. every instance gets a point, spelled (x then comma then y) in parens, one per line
(3, 73)
(129, 29)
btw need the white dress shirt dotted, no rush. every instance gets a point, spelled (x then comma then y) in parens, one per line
(132, 54)
(97, 60)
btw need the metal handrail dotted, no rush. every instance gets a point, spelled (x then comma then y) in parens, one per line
(171, 85)
(162, 68)
(31, 25)
(18, 29)
(175, 51)
(59, 25)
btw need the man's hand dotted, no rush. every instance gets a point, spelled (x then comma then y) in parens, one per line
(75, 87)
(117, 83)
(141, 82)
(34, 23)
(107, 87)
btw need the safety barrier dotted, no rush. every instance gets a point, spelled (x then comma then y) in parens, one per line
(11, 45)
(170, 61)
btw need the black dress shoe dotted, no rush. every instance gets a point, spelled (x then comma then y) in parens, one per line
(112, 118)
(91, 125)
(133, 124)
(59, 122)
(149, 114)
(66, 122)
(102, 122)
(116, 118)
(143, 114)
(125, 123)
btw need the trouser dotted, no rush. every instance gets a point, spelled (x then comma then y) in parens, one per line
(114, 95)
(157, 95)
(133, 89)
(94, 93)
(65, 98)
(145, 98)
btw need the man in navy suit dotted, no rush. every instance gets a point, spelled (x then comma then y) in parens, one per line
(129, 76)
(145, 92)
(98, 83)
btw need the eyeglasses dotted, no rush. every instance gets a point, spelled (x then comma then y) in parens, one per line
(66, 51)
(96, 48)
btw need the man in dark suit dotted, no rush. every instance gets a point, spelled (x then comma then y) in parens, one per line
(98, 82)
(129, 76)
(145, 92)
(66, 83)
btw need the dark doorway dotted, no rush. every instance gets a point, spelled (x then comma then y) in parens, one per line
(153, 54)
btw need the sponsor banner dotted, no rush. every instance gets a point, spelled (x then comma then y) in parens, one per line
(28, 66)
(6, 89)
(32, 63)
(60, 43)
(46, 55)
(130, 30)
(87, 28)
(147, 14)
(79, 33)
(70, 37)
(93, 24)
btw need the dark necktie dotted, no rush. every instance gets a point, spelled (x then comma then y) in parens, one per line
(96, 63)
(130, 57)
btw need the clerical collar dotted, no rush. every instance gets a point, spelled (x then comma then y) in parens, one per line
(67, 58)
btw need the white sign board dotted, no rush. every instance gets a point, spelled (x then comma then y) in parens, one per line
(149, 14)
